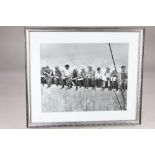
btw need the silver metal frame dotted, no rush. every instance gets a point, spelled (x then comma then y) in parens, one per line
(84, 29)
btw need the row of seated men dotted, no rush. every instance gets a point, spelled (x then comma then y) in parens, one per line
(90, 78)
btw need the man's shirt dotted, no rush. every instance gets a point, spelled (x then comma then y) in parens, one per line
(106, 76)
(123, 75)
(48, 72)
(99, 75)
(67, 73)
(84, 74)
(91, 74)
(57, 73)
(114, 75)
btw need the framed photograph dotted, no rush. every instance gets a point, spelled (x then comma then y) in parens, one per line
(83, 76)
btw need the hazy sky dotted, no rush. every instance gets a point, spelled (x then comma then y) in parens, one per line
(83, 54)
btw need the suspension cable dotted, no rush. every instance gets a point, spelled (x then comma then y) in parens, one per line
(116, 70)
(112, 57)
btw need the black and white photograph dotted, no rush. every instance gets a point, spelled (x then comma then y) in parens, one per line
(83, 76)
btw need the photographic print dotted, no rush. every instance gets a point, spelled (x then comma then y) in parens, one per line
(83, 76)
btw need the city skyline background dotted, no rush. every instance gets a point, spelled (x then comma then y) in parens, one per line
(81, 55)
